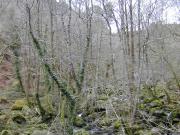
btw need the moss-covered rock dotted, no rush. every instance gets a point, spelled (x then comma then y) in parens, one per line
(117, 124)
(79, 122)
(148, 100)
(19, 104)
(102, 97)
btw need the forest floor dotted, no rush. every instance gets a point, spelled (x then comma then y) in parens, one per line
(158, 113)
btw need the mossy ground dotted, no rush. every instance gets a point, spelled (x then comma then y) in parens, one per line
(155, 114)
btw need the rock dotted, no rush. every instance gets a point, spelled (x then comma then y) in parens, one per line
(79, 122)
(19, 104)
(6, 132)
(41, 132)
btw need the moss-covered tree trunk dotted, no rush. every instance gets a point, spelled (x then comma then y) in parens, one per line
(62, 85)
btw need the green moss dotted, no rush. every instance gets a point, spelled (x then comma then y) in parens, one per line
(148, 100)
(46, 102)
(117, 124)
(79, 122)
(176, 114)
(92, 116)
(154, 109)
(103, 97)
(19, 104)
(105, 122)
(156, 103)
(42, 126)
(141, 106)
